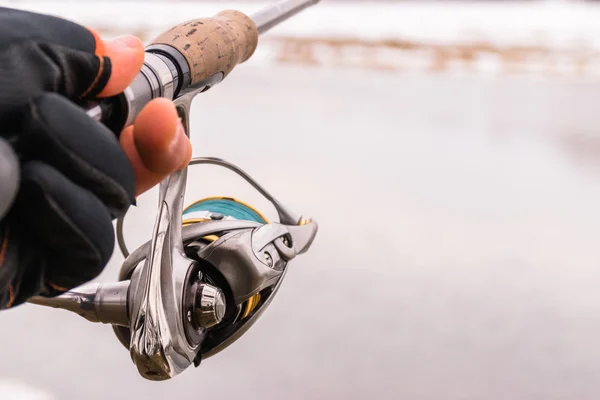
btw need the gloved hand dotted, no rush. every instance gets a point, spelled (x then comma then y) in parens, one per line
(76, 176)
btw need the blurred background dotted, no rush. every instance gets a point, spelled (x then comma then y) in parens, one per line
(450, 152)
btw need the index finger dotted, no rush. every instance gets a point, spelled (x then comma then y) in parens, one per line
(126, 57)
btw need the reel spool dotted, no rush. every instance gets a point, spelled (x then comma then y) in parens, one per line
(213, 208)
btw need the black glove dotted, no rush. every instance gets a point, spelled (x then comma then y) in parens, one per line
(75, 178)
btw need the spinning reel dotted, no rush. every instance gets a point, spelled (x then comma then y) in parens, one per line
(201, 282)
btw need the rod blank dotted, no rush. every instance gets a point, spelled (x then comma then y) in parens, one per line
(274, 14)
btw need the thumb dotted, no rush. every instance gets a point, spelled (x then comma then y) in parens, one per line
(126, 55)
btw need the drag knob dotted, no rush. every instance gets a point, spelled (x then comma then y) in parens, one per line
(209, 306)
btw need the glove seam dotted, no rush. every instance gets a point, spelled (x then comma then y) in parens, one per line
(101, 79)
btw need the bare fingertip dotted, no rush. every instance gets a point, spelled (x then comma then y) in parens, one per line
(129, 41)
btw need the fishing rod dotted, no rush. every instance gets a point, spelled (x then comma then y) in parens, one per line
(210, 270)
(192, 58)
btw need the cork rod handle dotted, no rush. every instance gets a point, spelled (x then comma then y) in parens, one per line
(213, 45)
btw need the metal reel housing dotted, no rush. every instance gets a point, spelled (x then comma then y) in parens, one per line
(205, 277)
(237, 250)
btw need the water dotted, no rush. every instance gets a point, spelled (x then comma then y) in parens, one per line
(457, 257)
